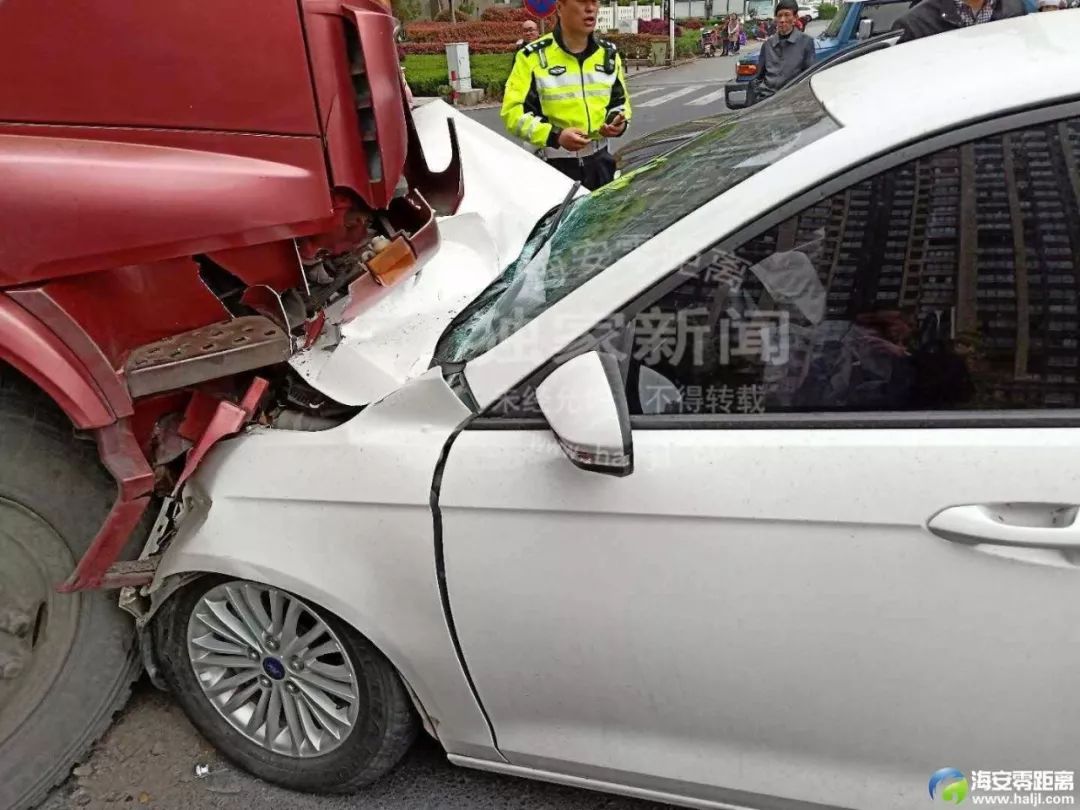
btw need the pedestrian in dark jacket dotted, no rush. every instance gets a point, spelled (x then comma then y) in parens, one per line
(938, 16)
(785, 54)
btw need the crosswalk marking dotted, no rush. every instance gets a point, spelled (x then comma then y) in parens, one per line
(708, 98)
(635, 91)
(664, 99)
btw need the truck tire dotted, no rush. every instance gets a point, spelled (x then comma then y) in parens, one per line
(67, 662)
(281, 687)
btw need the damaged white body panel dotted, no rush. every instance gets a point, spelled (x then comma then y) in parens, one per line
(393, 341)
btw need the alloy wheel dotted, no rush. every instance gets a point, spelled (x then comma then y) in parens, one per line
(273, 669)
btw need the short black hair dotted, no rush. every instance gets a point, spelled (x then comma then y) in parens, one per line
(789, 5)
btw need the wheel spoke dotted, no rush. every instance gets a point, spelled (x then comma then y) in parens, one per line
(231, 661)
(305, 641)
(292, 719)
(288, 627)
(240, 697)
(236, 630)
(217, 627)
(238, 603)
(212, 643)
(326, 648)
(311, 730)
(253, 597)
(341, 690)
(232, 682)
(258, 714)
(330, 717)
(277, 611)
(273, 716)
(335, 672)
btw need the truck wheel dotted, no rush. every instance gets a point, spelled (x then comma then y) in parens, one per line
(66, 661)
(285, 690)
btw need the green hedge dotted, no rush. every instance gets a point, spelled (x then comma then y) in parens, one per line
(427, 74)
(826, 11)
(687, 44)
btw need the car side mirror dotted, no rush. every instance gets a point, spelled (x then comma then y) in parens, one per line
(584, 402)
(866, 30)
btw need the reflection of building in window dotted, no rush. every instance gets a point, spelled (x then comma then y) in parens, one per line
(976, 247)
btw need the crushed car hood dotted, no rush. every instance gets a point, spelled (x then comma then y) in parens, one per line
(507, 189)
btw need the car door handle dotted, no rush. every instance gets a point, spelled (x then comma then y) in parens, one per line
(1029, 525)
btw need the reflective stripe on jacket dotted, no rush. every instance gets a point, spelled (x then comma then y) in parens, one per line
(550, 90)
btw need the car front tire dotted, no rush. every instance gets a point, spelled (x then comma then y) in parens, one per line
(284, 689)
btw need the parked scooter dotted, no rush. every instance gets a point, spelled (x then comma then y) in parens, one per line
(708, 43)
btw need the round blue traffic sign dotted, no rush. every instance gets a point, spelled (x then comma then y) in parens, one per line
(540, 8)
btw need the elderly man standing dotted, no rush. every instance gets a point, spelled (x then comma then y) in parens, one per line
(785, 54)
(529, 32)
(938, 16)
(567, 95)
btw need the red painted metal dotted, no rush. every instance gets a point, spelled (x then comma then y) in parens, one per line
(122, 456)
(200, 410)
(444, 190)
(236, 65)
(130, 574)
(38, 354)
(157, 301)
(227, 419)
(52, 315)
(274, 264)
(365, 137)
(149, 411)
(314, 328)
(72, 205)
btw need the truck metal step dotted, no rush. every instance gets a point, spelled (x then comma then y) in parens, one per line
(207, 353)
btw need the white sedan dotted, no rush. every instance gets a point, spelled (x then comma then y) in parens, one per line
(808, 13)
(751, 482)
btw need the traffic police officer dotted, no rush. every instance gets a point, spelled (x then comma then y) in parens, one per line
(567, 95)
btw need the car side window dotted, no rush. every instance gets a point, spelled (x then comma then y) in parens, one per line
(947, 283)
(883, 15)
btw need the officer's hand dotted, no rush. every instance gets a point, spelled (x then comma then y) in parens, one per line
(615, 128)
(572, 139)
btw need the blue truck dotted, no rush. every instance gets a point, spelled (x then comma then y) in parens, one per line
(844, 31)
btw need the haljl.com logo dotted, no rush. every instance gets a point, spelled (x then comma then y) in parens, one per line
(949, 785)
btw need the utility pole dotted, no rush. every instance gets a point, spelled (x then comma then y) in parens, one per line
(671, 30)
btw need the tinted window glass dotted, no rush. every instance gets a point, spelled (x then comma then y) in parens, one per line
(950, 282)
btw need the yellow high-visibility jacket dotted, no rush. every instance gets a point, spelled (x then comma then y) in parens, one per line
(551, 89)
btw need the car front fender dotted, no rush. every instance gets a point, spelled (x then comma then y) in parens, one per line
(343, 518)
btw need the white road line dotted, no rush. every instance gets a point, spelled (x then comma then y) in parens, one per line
(708, 98)
(664, 99)
(636, 91)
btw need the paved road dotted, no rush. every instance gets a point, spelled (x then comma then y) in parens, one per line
(148, 759)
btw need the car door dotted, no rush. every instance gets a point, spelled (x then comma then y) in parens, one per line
(847, 555)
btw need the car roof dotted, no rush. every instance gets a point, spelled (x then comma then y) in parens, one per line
(944, 80)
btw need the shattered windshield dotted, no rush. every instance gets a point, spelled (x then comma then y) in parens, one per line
(599, 229)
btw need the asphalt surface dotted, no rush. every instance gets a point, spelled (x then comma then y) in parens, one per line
(149, 759)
